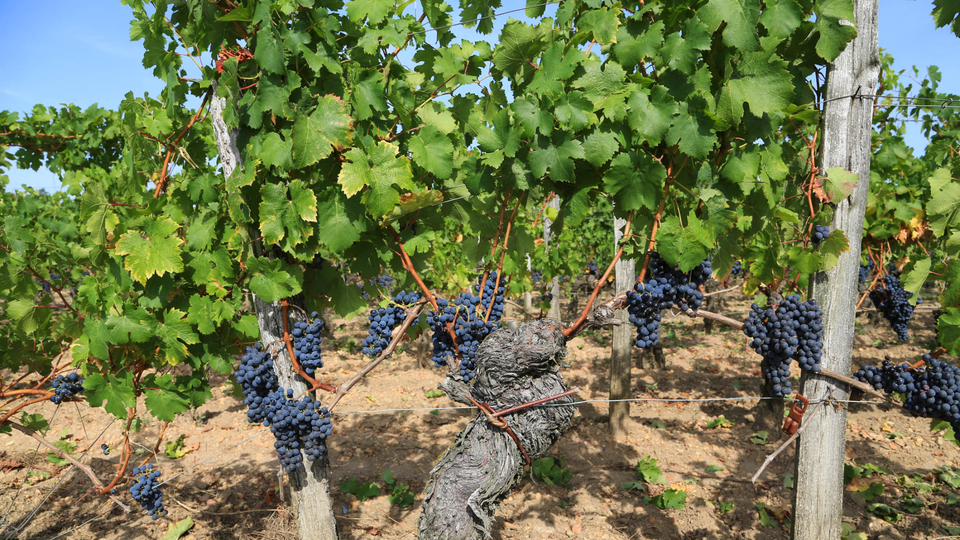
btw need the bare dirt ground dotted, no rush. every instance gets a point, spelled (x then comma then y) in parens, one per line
(228, 482)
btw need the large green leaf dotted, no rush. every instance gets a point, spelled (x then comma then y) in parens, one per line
(286, 211)
(379, 169)
(153, 251)
(326, 129)
(433, 151)
(741, 17)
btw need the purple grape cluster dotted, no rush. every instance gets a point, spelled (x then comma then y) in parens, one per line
(866, 270)
(146, 490)
(306, 343)
(791, 329)
(894, 302)
(296, 424)
(737, 269)
(467, 315)
(66, 386)
(666, 287)
(384, 320)
(930, 391)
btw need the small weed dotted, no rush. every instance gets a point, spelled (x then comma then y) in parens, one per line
(884, 512)
(671, 498)
(647, 472)
(714, 468)
(765, 518)
(720, 422)
(760, 438)
(552, 472)
(847, 532)
(363, 492)
(65, 445)
(722, 506)
(400, 494)
(431, 394)
(176, 449)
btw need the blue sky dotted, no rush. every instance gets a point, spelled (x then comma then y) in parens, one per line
(59, 51)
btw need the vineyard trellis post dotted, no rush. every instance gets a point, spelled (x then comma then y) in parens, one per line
(847, 129)
(309, 486)
(554, 286)
(622, 344)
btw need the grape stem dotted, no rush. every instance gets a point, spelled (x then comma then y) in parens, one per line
(500, 423)
(399, 332)
(503, 253)
(496, 240)
(85, 469)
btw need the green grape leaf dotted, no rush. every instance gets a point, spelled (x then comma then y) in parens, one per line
(271, 279)
(831, 248)
(947, 12)
(943, 208)
(154, 251)
(367, 92)
(574, 112)
(683, 245)
(131, 327)
(433, 151)
(207, 313)
(741, 17)
(339, 231)
(781, 17)
(557, 159)
(175, 333)
(834, 36)
(681, 50)
(599, 147)
(116, 392)
(97, 213)
(326, 129)
(635, 180)
(268, 50)
(379, 169)
(650, 115)
(948, 330)
(375, 11)
(163, 399)
(275, 152)
(693, 131)
(518, 44)
(836, 186)
(27, 315)
(287, 217)
(915, 274)
(603, 23)
(765, 85)
(638, 40)
(556, 66)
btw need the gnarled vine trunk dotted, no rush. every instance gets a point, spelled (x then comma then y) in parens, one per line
(484, 463)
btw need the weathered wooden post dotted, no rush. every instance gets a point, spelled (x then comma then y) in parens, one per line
(847, 127)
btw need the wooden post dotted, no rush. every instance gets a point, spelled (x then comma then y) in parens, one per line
(818, 502)
(310, 487)
(554, 312)
(622, 345)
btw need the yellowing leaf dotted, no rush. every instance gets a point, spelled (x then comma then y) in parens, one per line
(153, 251)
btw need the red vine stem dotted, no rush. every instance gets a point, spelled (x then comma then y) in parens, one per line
(656, 227)
(535, 402)
(573, 328)
(162, 181)
(503, 254)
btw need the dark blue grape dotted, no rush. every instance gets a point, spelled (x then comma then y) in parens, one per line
(792, 329)
(865, 271)
(894, 302)
(66, 386)
(930, 391)
(466, 316)
(306, 343)
(820, 232)
(737, 269)
(105, 448)
(384, 320)
(296, 424)
(146, 490)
